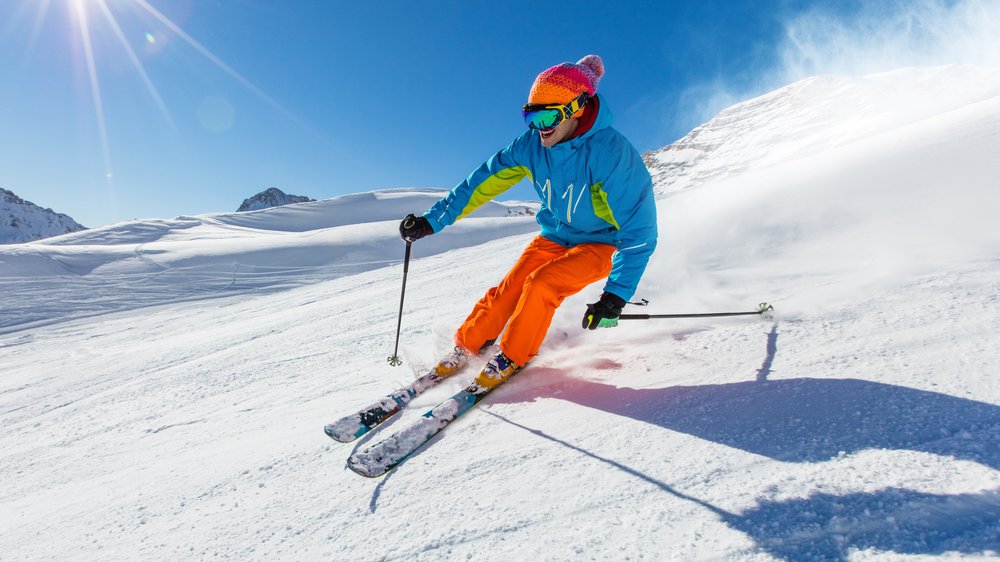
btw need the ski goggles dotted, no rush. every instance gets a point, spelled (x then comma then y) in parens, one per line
(544, 117)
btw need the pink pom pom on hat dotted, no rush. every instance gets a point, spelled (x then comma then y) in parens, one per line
(564, 82)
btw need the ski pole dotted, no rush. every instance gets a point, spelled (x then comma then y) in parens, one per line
(763, 309)
(395, 361)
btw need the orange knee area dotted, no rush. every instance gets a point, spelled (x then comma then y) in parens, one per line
(527, 298)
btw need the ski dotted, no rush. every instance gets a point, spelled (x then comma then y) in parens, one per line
(382, 457)
(351, 427)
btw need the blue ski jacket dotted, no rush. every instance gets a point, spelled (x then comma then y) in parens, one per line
(594, 188)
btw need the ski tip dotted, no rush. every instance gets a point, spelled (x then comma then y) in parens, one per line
(364, 470)
(338, 436)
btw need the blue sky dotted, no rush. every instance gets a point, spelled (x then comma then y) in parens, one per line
(190, 106)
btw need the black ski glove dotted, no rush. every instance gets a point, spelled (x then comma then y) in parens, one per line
(413, 228)
(604, 313)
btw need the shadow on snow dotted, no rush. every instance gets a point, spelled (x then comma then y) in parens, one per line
(814, 420)
(801, 420)
(829, 527)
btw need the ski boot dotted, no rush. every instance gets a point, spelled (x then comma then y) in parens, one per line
(458, 358)
(496, 370)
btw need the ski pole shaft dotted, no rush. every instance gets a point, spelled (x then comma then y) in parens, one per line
(700, 315)
(395, 360)
(764, 308)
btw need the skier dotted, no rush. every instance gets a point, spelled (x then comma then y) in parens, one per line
(597, 218)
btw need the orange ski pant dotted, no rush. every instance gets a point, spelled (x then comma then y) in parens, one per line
(527, 298)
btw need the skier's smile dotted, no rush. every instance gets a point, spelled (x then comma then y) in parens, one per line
(559, 133)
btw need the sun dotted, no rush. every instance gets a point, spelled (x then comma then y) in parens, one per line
(92, 16)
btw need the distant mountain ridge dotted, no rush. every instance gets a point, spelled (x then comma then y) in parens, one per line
(23, 221)
(271, 197)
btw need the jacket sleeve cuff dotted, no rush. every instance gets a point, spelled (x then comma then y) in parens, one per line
(615, 299)
(437, 226)
(619, 291)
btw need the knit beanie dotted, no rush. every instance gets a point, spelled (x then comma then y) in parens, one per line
(564, 82)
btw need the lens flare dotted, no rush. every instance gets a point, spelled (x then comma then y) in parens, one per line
(214, 59)
(134, 59)
(96, 21)
(95, 88)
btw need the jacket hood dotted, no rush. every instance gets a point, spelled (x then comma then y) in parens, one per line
(602, 121)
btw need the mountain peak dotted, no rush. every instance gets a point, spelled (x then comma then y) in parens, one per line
(271, 197)
(23, 221)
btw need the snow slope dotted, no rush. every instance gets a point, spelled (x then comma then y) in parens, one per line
(861, 423)
(813, 116)
(149, 262)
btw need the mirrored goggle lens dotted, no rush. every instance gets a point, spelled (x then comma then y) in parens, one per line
(542, 119)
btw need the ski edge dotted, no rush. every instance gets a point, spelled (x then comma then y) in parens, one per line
(341, 430)
(471, 395)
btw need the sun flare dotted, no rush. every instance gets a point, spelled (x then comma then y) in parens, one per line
(132, 28)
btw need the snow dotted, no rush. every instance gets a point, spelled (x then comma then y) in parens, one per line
(166, 382)
(149, 262)
(23, 221)
(815, 115)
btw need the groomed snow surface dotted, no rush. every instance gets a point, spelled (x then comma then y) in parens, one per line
(165, 383)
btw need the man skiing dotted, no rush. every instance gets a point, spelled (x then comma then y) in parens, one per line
(597, 218)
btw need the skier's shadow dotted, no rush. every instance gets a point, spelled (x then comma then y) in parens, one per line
(814, 420)
(831, 527)
(799, 420)
(790, 420)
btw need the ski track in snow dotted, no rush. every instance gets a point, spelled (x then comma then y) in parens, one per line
(163, 397)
